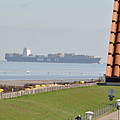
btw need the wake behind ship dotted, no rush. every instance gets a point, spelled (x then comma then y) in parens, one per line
(26, 56)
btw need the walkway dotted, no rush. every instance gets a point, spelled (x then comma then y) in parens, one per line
(112, 116)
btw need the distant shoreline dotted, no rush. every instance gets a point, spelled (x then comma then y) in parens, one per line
(23, 82)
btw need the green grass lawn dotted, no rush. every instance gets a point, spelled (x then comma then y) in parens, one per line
(57, 105)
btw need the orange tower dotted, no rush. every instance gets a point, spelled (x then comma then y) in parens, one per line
(113, 62)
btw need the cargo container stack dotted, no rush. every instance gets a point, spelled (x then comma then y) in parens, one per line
(113, 62)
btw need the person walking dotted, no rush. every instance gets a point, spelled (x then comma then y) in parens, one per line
(78, 117)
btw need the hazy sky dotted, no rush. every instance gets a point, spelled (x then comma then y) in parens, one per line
(50, 26)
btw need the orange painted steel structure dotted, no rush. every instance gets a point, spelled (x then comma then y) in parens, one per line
(113, 62)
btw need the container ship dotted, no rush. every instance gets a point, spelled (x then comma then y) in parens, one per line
(26, 56)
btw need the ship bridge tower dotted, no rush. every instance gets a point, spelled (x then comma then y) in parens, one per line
(113, 61)
(26, 52)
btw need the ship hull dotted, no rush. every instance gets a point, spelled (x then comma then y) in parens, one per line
(10, 58)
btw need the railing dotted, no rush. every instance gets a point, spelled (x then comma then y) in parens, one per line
(98, 113)
(41, 90)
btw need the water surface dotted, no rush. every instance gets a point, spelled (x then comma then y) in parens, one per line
(49, 71)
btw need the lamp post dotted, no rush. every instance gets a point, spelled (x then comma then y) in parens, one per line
(118, 106)
(89, 115)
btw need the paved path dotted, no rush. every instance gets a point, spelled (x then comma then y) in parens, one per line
(112, 116)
